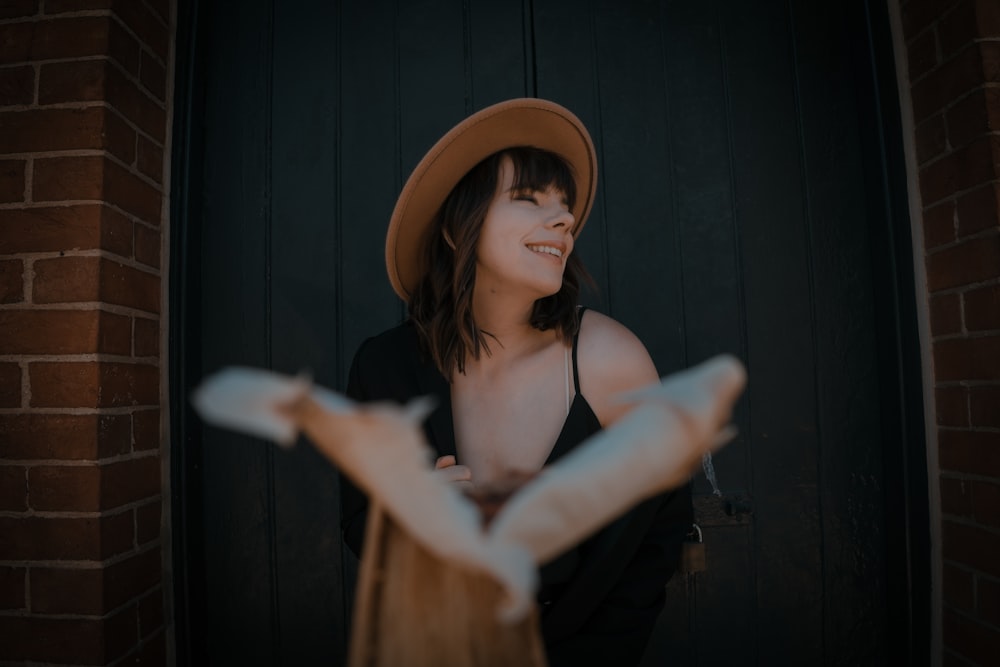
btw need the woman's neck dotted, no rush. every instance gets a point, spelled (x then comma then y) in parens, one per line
(507, 321)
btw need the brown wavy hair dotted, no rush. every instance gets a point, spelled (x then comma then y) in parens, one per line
(441, 305)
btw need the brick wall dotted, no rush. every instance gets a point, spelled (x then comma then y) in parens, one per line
(953, 50)
(83, 125)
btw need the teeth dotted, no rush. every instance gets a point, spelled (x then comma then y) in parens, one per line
(546, 249)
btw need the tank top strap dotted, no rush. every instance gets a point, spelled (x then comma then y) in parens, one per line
(576, 340)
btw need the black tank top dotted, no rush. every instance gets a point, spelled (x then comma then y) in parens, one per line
(580, 424)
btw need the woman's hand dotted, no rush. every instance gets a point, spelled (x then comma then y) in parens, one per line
(447, 468)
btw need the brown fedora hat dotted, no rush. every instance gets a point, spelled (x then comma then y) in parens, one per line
(518, 122)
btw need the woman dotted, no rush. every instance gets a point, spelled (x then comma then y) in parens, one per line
(480, 246)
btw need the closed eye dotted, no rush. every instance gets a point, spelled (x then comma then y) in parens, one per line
(526, 196)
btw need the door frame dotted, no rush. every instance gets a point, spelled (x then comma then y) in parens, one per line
(907, 514)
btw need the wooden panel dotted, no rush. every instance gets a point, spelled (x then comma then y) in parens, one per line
(304, 323)
(848, 407)
(644, 282)
(777, 280)
(566, 72)
(235, 302)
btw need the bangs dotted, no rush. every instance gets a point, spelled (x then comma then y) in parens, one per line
(537, 169)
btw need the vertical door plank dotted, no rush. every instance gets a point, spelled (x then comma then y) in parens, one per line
(701, 150)
(566, 72)
(500, 54)
(369, 180)
(370, 175)
(780, 336)
(848, 406)
(641, 244)
(234, 312)
(434, 76)
(303, 320)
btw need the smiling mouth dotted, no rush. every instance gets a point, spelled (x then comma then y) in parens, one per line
(546, 249)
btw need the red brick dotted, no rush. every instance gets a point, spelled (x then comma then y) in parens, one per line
(151, 614)
(54, 39)
(93, 591)
(939, 225)
(968, 119)
(130, 287)
(146, 429)
(956, 496)
(984, 406)
(84, 279)
(982, 308)
(147, 337)
(67, 178)
(931, 138)
(986, 502)
(13, 488)
(78, 227)
(991, 61)
(10, 385)
(64, 332)
(987, 21)
(153, 76)
(979, 210)
(969, 638)
(952, 79)
(988, 601)
(971, 261)
(114, 336)
(149, 159)
(67, 384)
(102, 80)
(12, 588)
(957, 28)
(74, 81)
(958, 587)
(147, 520)
(11, 180)
(949, 659)
(967, 359)
(946, 314)
(134, 195)
(145, 23)
(88, 641)
(17, 86)
(952, 406)
(965, 168)
(152, 650)
(12, 9)
(972, 452)
(91, 538)
(11, 279)
(98, 128)
(129, 481)
(918, 14)
(65, 488)
(62, 6)
(67, 437)
(67, 591)
(147, 246)
(124, 48)
(972, 546)
(922, 54)
(67, 279)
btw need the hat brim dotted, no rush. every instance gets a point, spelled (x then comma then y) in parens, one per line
(519, 122)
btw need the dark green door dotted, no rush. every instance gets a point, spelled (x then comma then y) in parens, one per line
(747, 204)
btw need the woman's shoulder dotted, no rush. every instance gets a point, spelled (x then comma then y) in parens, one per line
(611, 360)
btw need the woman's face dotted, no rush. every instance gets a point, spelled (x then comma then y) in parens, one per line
(525, 239)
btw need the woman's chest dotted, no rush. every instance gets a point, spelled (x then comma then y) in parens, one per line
(509, 425)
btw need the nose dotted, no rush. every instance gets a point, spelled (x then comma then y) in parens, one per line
(560, 218)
